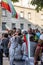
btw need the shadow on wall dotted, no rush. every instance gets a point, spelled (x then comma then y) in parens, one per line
(30, 24)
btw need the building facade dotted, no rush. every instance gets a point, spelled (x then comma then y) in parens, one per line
(7, 19)
(27, 17)
(0, 18)
(27, 11)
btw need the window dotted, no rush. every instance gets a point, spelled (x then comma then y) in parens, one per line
(29, 15)
(41, 29)
(42, 26)
(29, 25)
(3, 26)
(3, 12)
(42, 16)
(22, 14)
(36, 26)
(21, 26)
(13, 25)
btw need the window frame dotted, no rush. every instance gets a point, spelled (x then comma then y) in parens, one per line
(21, 26)
(4, 13)
(21, 13)
(3, 26)
(13, 25)
(29, 15)
(29, 25)
(41, 16)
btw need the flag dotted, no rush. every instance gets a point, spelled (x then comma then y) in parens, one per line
(25, 40)
(28, 43)
(7, 4)
(7, 27)
(14, 13)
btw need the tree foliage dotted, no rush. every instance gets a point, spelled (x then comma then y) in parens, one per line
(38, 3)
(14, 0)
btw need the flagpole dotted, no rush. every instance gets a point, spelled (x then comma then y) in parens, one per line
(0, 17)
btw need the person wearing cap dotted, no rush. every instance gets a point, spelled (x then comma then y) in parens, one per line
(38, 58)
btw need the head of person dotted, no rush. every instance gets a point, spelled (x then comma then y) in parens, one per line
(3, 34)
(6, 35)
(30, 31)
(14, 29)
(41, 39)
(37, 30)
(24, 32)
(18, 31)
(33, 31)
(42, 32)
(11, 33)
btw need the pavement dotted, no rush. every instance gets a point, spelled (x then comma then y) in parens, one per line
(29, 62)
(6, 62)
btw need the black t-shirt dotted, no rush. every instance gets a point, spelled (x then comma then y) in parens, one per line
(5, 44)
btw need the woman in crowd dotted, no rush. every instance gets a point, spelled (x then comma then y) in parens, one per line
(38, 59)
(12, 45)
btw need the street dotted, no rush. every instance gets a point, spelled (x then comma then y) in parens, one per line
(6, 62)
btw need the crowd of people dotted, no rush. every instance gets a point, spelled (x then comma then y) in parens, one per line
(15, 45)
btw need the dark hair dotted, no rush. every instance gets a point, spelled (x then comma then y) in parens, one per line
(14, 28)
(5, 35)
(10, 32)
(19, 31)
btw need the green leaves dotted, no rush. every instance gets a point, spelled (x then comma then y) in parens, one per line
(38, 3)
(14, 0)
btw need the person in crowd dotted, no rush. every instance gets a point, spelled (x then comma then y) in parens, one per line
(12, 45)
(3, 35)
(1, 51)
(39, 52)
(15, 44)
(31, 34)
(14, 29)
(18, 51)
(30, 30)
(4, 44)
(38, 33)
(19, 31)
(33, 42)
(10, 34)
(24, 33)
(24, 50)
(25, 46)
(42, 32)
